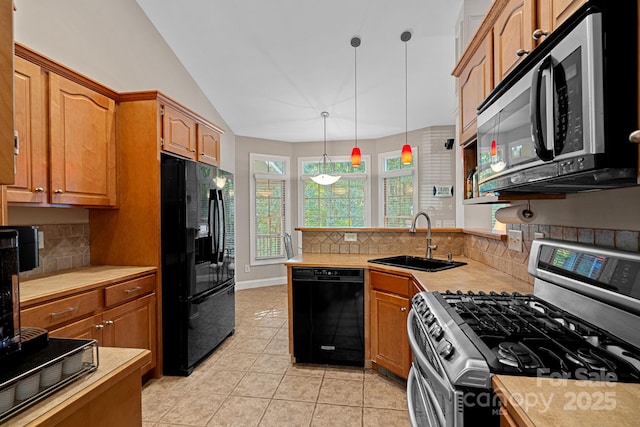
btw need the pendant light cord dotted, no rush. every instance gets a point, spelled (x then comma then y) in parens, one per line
(406, 96)
(355, 70)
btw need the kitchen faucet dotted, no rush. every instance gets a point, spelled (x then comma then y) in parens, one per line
(412, 229)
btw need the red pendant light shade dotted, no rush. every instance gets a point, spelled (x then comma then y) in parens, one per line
(406, 154)
(355, 157)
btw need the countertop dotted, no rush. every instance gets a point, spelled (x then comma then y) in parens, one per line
(114, 364)
(545, 402)
(38, 289)
(474, 276)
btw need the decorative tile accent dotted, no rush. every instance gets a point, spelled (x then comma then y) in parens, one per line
(65, 246)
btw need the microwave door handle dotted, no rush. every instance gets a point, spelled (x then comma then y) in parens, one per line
(562, 101)
(537, 131)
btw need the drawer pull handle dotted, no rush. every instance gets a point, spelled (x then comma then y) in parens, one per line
(67, 311)
(108, 322)
(132, 290)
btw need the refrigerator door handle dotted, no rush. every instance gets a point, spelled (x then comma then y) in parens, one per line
(216, 219)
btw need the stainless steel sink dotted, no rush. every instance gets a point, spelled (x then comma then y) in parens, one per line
(418, 263)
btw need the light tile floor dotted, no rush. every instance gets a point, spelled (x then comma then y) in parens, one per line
(250, 381)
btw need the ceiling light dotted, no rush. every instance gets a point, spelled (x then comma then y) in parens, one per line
(355, 153)
(406, 154)
(324, 178)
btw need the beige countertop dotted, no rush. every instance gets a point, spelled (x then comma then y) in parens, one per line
(545, 402)
(114, 364)
(474, 276)
(38, 289)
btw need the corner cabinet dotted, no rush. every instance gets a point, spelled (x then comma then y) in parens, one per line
(388, 316)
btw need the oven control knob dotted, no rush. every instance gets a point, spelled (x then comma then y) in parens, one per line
(436, 331)
(445, 349)
(430, 319)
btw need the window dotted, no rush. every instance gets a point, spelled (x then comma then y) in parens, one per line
(398, 188)
(270, 208)
(343, 204)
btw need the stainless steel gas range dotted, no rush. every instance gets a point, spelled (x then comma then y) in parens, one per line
(580, 323)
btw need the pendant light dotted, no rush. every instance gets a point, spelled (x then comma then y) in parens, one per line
(323, 178)
(355, 153)
(406, 155)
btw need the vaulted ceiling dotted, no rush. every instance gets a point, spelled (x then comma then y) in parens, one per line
(270, 67)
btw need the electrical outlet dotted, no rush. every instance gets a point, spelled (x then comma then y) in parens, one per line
(350, 237)
(40, 239)
(438, 223)
(247, 268)
(538, 235)
(515, 240)
(449, 223)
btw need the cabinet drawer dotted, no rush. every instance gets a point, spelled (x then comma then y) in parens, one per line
(61, 311)
(130, 289)
(390, 282)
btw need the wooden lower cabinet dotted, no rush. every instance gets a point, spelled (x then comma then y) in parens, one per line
(389, 341)
(130, 325)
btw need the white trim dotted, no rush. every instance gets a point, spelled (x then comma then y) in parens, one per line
(252, 207)
(382, 174)
(260, 283)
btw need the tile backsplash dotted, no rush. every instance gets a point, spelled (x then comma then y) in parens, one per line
(65, 246)
(496, 254)
(382, 242)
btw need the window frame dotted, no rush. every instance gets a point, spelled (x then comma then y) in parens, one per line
(286, 178)
(366, 176)
(382, 174)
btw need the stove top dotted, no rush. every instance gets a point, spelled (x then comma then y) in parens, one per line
(525, 335)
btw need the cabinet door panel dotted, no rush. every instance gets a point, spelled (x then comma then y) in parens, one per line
(6, 103)
(474, 85)
(389, 342)
(208, 145)
(179, 133)
(31, 163)
(82, 140)
(512, 33)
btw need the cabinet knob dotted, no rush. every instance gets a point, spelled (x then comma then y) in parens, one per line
(539, 33)
(521, 52)
(108, 322)
(59, 191)
(193, 150)
(39, 190)
(635, 137)
(403, 309)
(100, 326)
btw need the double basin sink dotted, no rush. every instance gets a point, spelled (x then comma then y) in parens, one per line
(418, 263)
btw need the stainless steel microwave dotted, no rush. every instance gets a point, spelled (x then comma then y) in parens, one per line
(560, 122)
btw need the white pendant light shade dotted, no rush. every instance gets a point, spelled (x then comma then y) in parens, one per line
(324, 178)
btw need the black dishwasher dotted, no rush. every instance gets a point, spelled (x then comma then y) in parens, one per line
(328, 315)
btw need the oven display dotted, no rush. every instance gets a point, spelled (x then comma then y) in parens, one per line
(587, 265)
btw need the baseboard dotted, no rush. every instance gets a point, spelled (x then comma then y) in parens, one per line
(260, 283)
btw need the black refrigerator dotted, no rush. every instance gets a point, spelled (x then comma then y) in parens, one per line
(198, 295)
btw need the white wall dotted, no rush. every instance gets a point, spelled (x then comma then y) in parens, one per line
(114, 43)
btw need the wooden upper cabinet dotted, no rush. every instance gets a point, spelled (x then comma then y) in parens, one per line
(552, 13)
(512, 37)
(178, 132)
(474, 84)
(82, 144)
(208, 145)
(31, 181)
(6, 89)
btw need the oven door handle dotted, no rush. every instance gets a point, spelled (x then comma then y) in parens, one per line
(417, 353)
(429, 402)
